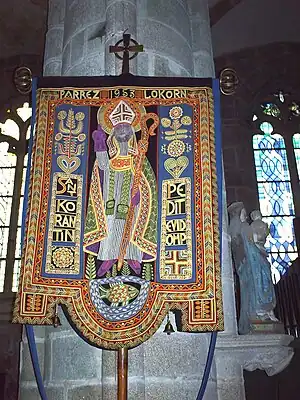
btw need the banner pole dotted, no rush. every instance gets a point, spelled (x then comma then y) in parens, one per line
(122, 373)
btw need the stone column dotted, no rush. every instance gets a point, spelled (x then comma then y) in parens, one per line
(201, 38)
(83, 40)
(164, 28)
(230, 321)
(120, 16)
(54, 38)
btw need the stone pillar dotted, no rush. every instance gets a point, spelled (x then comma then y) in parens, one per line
(230, 321)
(54, 38)
(201, 38)
(174, 366)
(84, 37)
(164, 28)
(229, 369)
(120, 16)
(235, 353)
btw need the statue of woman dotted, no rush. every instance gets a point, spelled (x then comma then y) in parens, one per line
(256, 286)
(260, 230)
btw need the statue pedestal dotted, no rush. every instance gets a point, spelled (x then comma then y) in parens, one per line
(269, 352)
(266, 327)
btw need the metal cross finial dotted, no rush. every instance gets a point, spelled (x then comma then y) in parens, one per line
(126, 46)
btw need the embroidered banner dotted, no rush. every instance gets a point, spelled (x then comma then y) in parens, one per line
(124, 205)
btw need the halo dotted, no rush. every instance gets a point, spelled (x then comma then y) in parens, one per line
(105, 111)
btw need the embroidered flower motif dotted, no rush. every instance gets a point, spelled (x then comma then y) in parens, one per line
(63, 257)
(186, 120)
(166, 122)
(62, 115)
(176, 148)
(175, 112)
(79, 116)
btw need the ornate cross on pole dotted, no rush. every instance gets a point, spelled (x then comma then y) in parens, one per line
(126, 46)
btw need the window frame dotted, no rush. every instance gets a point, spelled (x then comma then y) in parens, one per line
(286, 126)
(19, 148)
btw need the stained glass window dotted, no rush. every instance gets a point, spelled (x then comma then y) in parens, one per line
(273, 122)
(296, 143)
(17, 262)
(7, 175)
(271, 109)
(295, 109)
(13, 161)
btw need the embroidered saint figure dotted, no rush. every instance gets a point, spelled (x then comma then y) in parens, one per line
(111, 196)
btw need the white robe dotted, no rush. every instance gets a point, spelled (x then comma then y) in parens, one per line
(110, 246)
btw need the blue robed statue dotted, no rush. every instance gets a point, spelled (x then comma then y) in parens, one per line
(257, 295)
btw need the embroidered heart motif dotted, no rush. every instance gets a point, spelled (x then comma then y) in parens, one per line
(175, 167)
(68, 164)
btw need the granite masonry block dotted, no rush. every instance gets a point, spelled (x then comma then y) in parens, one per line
(52, 68)
(109, 364)
(54, 43)
(143, 63)
(161, 39)
(203, 67)
(81, 14)
(94, 44)
(94, 64)
(66, 58)
(173, 389)
(136, 362)
(161, 66)
(40, 331)
(73, 359)
(56, 13)
(201, 31)
(179, 355)
(120, 15)
(86, 393)
(136, 389)
(230, 389)
(170, 13)
(109, 391)
(77, 48)
(29, 394)
(27, 373)
(33, 394)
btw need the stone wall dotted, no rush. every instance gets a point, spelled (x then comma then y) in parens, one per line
(22, 29)
(165, 367)
(10, 337)
(261, 72)
(9, 96)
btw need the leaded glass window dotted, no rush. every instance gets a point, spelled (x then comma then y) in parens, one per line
(14, 134)
(296, 144)
(7, 172)
(276, 149)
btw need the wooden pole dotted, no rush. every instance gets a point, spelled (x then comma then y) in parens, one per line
(122, 373)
